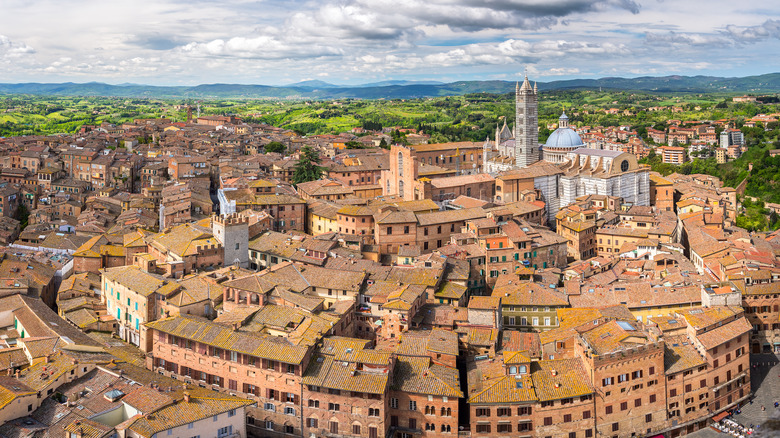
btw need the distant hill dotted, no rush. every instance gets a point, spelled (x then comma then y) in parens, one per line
(312, 84)
(768, 83)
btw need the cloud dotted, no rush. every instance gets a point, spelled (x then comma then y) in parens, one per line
(354, 41)
(688, 39)
(261, 47)
(748, 34)
(10, 49)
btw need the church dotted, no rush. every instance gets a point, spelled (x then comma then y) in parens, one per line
(562, 169)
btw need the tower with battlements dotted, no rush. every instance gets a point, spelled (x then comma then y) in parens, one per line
(232, 231)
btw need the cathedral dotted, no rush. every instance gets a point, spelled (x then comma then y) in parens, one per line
(563, 169)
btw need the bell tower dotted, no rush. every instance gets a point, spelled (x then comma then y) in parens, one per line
(526, 125)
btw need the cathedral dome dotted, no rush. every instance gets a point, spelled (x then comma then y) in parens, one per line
(564, 137)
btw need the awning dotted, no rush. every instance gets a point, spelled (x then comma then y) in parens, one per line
(720, 416)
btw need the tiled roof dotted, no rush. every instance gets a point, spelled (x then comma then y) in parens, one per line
(183, 240)
(713, 338)
(489, 383)
(140, 281)
(254, 344)
(12, 357)
(328, 372)
(451, 290)
(419, 375)
(681, 355)
(179, 414)
(702, 317)
(562, 378)
(415, 343)
(614, 336)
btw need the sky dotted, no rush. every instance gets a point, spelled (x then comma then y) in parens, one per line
(276, 42)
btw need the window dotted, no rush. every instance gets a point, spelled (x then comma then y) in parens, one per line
(372, 432)
(356, 429)
(483, 428)
(412, 405)
(623, 406)
(289, 411)
(652, 398)
(231, 413)
(608, 410)
(504, 427)
(572, 434)
(548, 421)
(483, 412)
(314, 403)
(311, 422)
(334, 427)
(648, 418)
(394, 403)
(334, 407)
(503, 412)
(615, 427)
(637, 402)
(585, 415)
(567, 418)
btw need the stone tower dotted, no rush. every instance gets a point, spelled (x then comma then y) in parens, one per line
(232, 231)
(526, 125)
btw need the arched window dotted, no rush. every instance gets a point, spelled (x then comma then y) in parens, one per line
(513, 370)
(523, 369)
(400, 164)
(430, 160)
(401, 187)
(624, 166)
(443, 411)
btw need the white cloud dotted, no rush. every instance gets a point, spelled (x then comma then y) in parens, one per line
(11, 49)
(244, 41)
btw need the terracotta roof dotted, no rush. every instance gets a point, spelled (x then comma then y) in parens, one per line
(419, 375)
(253, 344)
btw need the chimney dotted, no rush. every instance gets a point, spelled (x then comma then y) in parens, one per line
(186, 396)
(554, 373)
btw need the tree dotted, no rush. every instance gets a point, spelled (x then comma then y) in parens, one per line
(23, 215)
(275, 146)
(308, 168)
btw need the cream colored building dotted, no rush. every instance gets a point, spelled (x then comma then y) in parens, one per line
(131, 296)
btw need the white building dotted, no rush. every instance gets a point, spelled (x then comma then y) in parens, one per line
(569, 169)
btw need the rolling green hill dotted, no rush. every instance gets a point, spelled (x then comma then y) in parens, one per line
(768, 83)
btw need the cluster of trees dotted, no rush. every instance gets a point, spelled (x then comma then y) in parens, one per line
(756, 217)
(308, 167)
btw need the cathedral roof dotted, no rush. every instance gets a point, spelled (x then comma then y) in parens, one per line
(564, 138)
